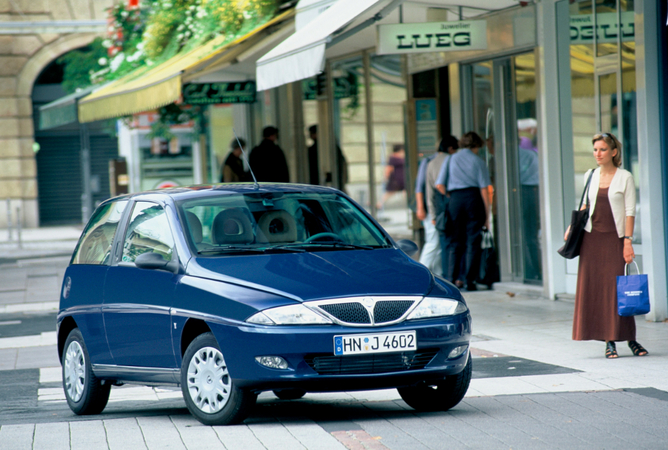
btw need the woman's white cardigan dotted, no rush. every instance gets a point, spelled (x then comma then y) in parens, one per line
(621, 193)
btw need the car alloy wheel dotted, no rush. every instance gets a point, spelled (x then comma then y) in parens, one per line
(207, 386)
(85, 393)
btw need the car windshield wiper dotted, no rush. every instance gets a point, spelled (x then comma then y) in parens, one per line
(243, 249)
(231, 248)
(341, 245)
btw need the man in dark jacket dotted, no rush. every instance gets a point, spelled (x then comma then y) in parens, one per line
(267, 160)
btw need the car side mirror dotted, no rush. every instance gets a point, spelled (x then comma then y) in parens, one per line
(407, 246)
(155, 261)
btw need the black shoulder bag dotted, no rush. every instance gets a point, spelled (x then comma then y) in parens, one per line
(442, 216)
(579, 218)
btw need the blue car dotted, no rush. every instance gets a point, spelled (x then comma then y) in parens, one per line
(233, 289)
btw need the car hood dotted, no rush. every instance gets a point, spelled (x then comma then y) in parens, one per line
(319, 275)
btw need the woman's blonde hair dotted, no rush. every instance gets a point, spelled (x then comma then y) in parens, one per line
(612, 142)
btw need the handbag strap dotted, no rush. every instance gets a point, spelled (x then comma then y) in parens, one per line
(626, 268)
(447, 174)
(586, 190)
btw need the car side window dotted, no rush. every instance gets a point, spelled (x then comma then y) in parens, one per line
(148, 231)
(95, 243)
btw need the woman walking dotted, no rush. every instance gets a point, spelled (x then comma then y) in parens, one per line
(606, 247)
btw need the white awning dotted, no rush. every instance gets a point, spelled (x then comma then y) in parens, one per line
(302, 55)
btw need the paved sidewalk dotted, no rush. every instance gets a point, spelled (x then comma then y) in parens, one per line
(598, 403)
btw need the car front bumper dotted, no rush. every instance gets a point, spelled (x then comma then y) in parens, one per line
(312, 366)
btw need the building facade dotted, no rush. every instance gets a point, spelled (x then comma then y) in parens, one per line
(33, 33)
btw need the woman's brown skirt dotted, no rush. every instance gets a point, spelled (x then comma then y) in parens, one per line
(596, 317)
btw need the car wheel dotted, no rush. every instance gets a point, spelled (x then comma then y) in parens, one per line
(85, 393)
(290, 394)
(440, 396)
(207, 386)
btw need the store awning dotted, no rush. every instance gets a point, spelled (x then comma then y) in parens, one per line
(302, 55)
(151, 88)
(62, 111)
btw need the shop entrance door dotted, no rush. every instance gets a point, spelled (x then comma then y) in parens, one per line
(501, 108)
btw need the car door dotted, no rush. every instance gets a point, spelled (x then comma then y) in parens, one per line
(83, 283)
(137, 301)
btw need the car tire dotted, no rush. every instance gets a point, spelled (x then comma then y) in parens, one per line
(85, 393)
(208, 389)
(290, 394)
(440, 396)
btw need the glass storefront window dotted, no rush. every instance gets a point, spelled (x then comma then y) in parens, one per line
(607, 95)
(583, 102)
(350, 124)
(388, 92)
(528, 170)
(607, 27)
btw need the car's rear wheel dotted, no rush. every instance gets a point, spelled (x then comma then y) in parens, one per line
(207, 386)
(289, 394)
(85, 393)
(440, 396)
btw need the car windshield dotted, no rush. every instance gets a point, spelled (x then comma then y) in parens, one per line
(266, 222)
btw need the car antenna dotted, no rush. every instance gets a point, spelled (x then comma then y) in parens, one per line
(257, 186)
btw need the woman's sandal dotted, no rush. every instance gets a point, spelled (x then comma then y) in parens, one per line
(637, 349)
(610, 350)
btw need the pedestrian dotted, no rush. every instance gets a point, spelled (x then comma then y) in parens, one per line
(469, 207)
(394, 174)
(430, 256)
(448, 146)
(606, 247)
(233, 170)
(267, 160)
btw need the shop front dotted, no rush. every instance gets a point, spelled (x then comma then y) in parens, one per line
(553, 75)
(535, 81)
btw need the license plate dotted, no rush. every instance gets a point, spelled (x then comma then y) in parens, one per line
(355, 344)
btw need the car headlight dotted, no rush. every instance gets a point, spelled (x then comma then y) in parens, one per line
(436, 307)
(288, 315)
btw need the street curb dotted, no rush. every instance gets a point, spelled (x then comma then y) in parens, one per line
(29, 307)
(17, 258)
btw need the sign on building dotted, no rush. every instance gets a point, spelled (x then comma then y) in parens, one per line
(582, 28)
(344, 87)
(205, 93)
(432, 37)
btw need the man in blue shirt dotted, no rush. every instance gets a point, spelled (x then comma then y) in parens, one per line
(469, 189)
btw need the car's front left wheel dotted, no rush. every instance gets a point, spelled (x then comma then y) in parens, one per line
(208, 389)
(85, 393)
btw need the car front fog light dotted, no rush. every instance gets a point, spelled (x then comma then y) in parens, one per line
(273, 362)
(457, 351)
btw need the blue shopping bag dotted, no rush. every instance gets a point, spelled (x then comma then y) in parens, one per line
(632, 293)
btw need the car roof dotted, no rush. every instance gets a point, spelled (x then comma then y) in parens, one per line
(206, 190)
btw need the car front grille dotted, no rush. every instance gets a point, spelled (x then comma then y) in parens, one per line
(389, 311)
(350, 312)
(374, 311)
(370, 364)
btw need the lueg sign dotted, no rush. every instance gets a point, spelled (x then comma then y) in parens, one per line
(432, 37)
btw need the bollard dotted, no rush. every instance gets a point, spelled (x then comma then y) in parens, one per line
(9, 220)
(18, 226)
